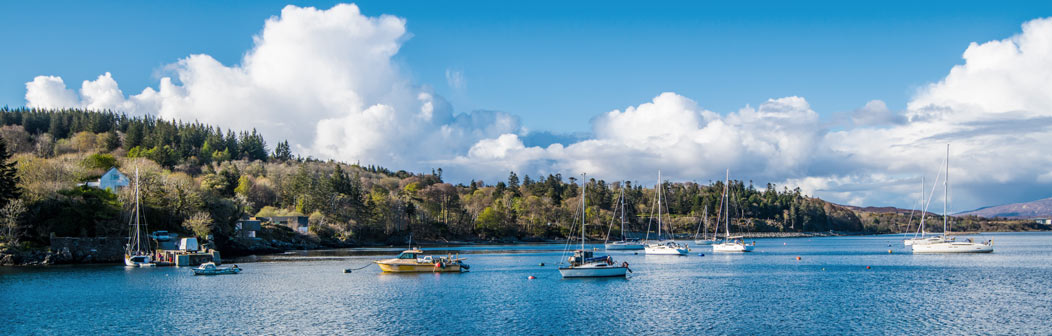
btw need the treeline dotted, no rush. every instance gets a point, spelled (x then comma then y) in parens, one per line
(198, 179)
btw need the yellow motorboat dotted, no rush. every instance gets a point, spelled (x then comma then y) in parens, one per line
(413, 261)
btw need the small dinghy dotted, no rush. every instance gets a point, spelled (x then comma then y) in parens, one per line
(210, 268)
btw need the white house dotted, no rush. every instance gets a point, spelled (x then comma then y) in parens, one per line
(112, 179)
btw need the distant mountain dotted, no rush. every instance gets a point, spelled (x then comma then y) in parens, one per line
(1041, 208)
(883, 210)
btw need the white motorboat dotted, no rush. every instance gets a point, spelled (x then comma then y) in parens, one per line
(584, 263)
(735, 243)
(624, 243)
(951, 245)
(210, 268)
(663, 247)
(137, 252)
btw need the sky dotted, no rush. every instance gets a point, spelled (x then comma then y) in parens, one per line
(851, 102)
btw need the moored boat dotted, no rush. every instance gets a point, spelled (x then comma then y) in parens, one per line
(730, 244)
(666, 247)
(584, 263)
(210, 268)
(413, 261)
(138, 252)
(951, 245)
(733, 244)
(624, 243)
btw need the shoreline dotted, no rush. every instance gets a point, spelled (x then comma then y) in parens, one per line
(46, 257)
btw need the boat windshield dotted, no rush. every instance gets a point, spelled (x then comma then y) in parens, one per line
(407, 255)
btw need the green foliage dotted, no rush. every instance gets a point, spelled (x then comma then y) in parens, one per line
(99, 161)
(193, 171)
(201, 224)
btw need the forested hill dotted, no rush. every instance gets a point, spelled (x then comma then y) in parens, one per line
(199, 179)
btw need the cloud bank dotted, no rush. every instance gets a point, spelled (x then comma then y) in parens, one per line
(325, 80)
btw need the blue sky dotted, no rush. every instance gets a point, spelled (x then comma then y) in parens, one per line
(552, 63)
(851, 101)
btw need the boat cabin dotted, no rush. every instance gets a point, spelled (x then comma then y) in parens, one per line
(410, 254)
(582, 257)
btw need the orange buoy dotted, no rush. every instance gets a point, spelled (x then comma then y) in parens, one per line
(797, 258)
(889, 251)
(867, 267)
(532, 277)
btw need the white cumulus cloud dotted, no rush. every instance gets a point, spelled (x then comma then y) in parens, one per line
(325, 80)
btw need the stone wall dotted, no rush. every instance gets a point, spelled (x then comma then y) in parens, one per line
(65, 250)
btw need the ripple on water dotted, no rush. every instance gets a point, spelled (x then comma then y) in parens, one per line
(828, 291)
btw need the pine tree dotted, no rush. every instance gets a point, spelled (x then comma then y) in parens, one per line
(282, 152)
(9, 179)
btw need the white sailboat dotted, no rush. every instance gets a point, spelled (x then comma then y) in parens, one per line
(137, 252)
(703, 230)
(584, 263)
(624, 243)
(951, 245)
(730, 243)
(922, 237)
(666, 247)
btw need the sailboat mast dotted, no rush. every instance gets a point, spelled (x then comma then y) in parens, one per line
(923, 208)
(658, 189)
(136, 239)
(946, 192)
(584, 212)
(727, 197)
(623, 211)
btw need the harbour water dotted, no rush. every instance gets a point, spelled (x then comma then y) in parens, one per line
(828, 291)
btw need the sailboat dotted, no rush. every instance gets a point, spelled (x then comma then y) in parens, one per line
(137, 252)
(624, 243)
(730, 243)
(921, 237)
(704, 231)
(951, 245)
(584, 263)
(660, 247)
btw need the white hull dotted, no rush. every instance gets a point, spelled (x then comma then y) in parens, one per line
(954, 247)
(922, 241)
(591, 271)
(665, 250)
(732, 247)
(624, 246)
(138, 261)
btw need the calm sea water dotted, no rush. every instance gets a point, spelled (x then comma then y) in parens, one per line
(828, 291)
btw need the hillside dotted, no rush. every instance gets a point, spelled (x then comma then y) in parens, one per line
(1041, 208)
(198, 180)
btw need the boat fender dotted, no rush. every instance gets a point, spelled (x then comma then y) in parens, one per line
(439, 265)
